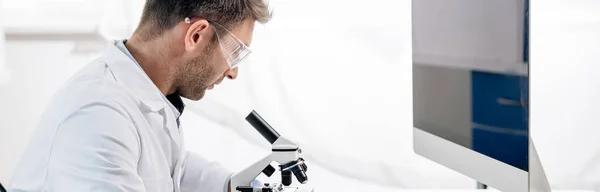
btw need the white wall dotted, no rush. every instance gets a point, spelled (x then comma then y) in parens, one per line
(4, 74)
(565, 90)
(40, 60)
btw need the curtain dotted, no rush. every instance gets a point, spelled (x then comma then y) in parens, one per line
(335, 76)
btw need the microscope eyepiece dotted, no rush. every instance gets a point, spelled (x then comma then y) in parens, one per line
(262, 127)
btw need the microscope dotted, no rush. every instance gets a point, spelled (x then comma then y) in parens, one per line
(284, 152)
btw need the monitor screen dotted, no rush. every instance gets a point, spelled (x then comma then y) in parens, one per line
(470, 75)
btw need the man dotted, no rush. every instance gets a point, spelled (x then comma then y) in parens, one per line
(114, 126)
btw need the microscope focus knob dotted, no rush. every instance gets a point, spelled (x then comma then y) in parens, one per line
(303, 165)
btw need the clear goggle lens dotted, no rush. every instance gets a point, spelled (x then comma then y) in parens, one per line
(234, 50)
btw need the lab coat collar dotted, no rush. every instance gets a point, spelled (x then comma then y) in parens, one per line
(133, 77)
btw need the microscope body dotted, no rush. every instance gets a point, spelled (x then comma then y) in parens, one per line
(284, 152)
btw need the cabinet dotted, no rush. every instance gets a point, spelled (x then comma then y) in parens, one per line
(500, 127)
(471, 74)
(499, 117)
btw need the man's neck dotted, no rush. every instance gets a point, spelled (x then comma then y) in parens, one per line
(154, 58)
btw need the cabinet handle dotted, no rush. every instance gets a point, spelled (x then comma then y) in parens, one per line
(510, 102)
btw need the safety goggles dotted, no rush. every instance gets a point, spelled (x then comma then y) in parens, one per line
(234, 50)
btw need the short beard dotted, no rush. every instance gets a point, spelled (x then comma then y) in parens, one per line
(196, 75)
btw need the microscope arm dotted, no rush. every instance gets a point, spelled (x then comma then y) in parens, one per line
(245, 177)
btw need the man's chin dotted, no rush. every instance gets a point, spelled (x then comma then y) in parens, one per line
(198, 96)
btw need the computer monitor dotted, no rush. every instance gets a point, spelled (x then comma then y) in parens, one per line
(470, 88)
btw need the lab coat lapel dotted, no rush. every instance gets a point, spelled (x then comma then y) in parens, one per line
(171, 126)
(153, 101)
(180, 164)
(127, 72)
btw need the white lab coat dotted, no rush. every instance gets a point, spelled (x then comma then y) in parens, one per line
(110, 129)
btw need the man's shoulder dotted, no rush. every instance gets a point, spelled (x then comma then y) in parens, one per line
(93, 85)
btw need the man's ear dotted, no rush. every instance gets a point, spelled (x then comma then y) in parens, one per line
(197, 35)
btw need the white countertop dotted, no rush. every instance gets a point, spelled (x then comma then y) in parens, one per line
(475, 190)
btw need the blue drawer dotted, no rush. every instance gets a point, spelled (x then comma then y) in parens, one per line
(509, 148)
(495, 100)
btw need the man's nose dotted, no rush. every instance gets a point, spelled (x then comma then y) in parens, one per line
(232, 73)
